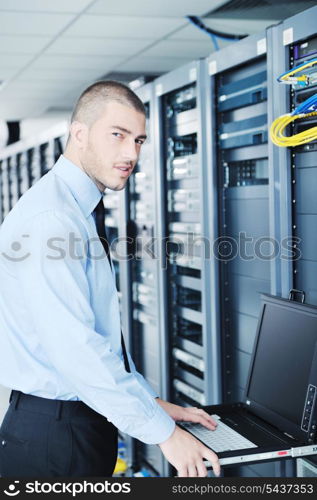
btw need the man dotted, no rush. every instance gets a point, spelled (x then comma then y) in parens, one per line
(61, 346)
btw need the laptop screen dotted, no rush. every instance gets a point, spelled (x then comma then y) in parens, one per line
(282, 361)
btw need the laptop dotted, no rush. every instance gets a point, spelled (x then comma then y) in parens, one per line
(277, 418)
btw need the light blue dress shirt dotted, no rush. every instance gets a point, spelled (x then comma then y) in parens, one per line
(59, 312)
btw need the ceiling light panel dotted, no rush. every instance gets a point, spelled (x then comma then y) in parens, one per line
(180, 48)
(15, 23)
(77, 75)
(44, 6)
(75, 63)
(123, 27)
(6, 74)
(164, 8)
(14, 60)
(97, 46)
(22, 44)
(152, 65)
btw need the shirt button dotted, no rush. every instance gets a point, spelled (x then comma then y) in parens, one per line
(3, 442)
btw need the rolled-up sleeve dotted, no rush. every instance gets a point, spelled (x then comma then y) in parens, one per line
(57, 296)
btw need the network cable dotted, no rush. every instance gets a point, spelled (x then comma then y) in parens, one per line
(213, 34)
(279, 125)
(292, 78)
(306, 109)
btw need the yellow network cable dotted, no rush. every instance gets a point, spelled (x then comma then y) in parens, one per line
(291, 78)
(305, 109)
(279, 125)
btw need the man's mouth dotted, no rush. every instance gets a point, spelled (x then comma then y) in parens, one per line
(124, 169)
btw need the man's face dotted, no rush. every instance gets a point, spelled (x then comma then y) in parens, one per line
(113, 145)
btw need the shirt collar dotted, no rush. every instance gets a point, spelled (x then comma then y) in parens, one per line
(82, 187)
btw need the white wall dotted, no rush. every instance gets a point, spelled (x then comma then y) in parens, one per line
(33, 126)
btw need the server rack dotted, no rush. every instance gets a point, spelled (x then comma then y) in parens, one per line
(115, 229)
(25, 180)
(13, 174)
(295, 41)
(304, 176)
(187, 295)
(139, 280)
(24, 162)
(238, 82)
(5, 200)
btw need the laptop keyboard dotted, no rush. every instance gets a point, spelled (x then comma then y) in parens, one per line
(224, 438)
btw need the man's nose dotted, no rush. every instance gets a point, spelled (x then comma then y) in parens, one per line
(130, 151)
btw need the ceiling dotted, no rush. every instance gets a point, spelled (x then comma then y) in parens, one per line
(51, 50)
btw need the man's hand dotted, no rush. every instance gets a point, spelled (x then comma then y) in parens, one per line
(186, 454)
(182, 449)
(191, 414)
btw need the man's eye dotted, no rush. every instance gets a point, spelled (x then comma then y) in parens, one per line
(117, 134)
(139, 141)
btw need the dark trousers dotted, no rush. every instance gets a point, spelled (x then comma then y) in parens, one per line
(51, 438)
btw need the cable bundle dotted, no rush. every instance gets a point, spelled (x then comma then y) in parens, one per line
(292, 77)
(305, 110)
(214, 35)
(280, 124)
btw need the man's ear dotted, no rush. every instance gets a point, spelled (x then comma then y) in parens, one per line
(79, 134)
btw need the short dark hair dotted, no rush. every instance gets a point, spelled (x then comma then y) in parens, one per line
(93, 97)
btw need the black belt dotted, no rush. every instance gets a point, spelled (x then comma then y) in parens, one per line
(57, 408)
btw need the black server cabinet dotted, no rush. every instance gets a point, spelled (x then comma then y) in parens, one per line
(188, 291)
(296, 43)
(25, 162)
(143, 309)
(239, 148)
(183, 245)
(304, 180)
(5, 188)
(243, 250)
(13, 174)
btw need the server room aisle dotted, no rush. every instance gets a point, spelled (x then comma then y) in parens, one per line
(212, 77)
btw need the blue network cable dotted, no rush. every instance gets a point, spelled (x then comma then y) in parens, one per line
(213, 34)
